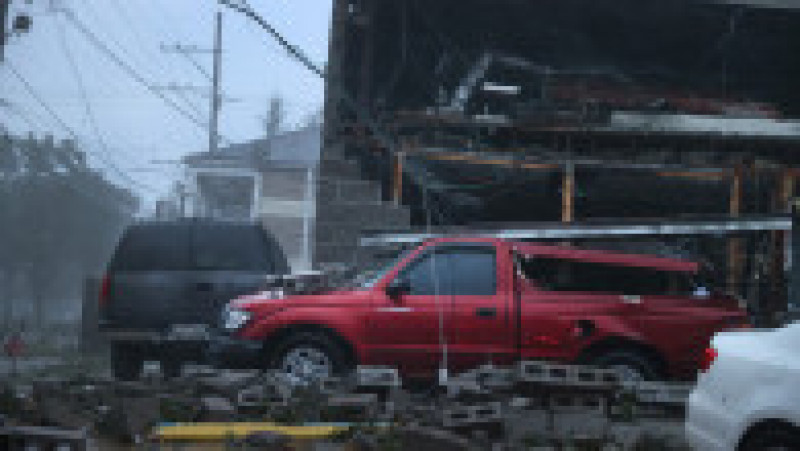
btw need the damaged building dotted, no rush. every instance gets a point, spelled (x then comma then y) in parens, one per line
(474, 111)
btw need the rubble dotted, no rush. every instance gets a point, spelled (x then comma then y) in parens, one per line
(532, 402)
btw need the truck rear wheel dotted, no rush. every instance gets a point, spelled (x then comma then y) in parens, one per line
(631, 365)
(309, 357)
(126, 361)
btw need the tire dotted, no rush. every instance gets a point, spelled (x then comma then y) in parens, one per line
(126, 361)
(633, 366)
(323, 356)
(772, 438)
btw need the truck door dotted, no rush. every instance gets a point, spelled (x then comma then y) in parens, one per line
(481, 320)
(405, 331)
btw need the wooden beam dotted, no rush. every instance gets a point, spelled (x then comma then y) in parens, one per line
(467, 158)
(397, 185)
(735, 244)
(568, 194)
(778, 293)
(700, 175)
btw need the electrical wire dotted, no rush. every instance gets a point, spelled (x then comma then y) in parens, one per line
(130, 71)
(32, 92)
(104, 154)
(293, 50)
(388, 142)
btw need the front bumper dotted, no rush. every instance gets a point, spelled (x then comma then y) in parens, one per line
(224, 351)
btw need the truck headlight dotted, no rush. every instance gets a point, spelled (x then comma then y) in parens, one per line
(234, 319)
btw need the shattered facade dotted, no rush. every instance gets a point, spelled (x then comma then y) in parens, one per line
(479, 111)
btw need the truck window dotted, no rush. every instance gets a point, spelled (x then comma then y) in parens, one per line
(569, 275)
(232, 248)
(153, 248)
(457, 272)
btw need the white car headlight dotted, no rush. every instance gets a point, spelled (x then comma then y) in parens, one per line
(234, 318)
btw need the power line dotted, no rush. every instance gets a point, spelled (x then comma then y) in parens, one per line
(293, 50)
(104, 154)
(32, 92)
(130, 71)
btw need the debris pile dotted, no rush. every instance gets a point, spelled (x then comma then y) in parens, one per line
(530, 404)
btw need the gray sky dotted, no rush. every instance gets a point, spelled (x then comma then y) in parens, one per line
(137, 126)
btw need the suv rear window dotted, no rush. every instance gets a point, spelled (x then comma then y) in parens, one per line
(236, 248)
(154, 248)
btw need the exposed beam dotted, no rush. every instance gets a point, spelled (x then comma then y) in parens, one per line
(781, 4)
(568, 195)
(576, 230)
(735, 244)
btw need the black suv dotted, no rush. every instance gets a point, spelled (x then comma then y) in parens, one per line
(168, 282)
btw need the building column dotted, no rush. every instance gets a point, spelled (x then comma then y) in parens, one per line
(568, 194)
(784, 191)
(397, 176)
(735, 243)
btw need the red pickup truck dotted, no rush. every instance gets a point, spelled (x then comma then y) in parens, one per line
(459, 303)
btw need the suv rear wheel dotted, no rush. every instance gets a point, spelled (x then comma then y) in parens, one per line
(632, 366)
(309, 357)
(126, 361)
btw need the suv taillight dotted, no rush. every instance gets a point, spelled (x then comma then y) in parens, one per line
(709, 356)
(105, 287)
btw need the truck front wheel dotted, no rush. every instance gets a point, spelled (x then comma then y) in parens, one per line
(309, 357)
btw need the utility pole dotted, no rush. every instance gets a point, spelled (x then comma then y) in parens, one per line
(213, 144)
(4, 4)
(216, 96)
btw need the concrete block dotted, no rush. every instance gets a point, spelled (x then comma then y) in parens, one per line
(565, 402)
(458, 416)
(662, 393)
(226, 383)
(421, 438)
(495, 378)
(567, 375)
(340, 169)
(377, 376)
(353, 407)
(580, 425)
(216, 409)
(348, 191)
(521, 423)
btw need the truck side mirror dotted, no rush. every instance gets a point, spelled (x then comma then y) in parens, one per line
(397, 289)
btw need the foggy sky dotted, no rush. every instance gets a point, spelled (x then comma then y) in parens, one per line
(136, 125)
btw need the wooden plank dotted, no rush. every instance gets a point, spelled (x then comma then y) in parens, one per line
(735, 244)
(568, 194)
(397, 182)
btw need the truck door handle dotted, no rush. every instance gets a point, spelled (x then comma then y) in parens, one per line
(486, 312)
(204, 286)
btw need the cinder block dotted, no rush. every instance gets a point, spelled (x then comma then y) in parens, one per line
(580, 425)
(495, 378)
(662, 393)
(353, 407)
(377, 376)
(568, 375)
(467, 415)
(564, 402)
(216, 409)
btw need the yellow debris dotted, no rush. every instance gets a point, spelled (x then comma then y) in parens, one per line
(224, 431)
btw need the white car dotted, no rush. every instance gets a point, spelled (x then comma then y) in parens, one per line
(748, 397)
